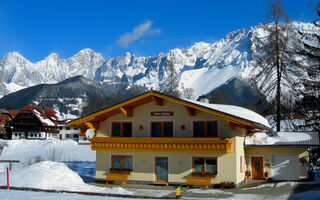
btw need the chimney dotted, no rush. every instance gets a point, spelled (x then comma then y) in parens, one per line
(203, 99)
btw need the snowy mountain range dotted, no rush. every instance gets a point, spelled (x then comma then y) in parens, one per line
(202, 66)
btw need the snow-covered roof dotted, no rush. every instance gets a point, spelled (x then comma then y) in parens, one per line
(283, 139)
(236, 111)
(46, 116)
(44, 120)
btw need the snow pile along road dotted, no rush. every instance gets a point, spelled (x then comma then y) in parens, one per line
(53, 176)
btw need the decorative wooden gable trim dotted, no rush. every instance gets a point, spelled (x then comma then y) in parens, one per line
(157, 100)
(94, 125)
(127, 111)
(191, 111)
(232, 126)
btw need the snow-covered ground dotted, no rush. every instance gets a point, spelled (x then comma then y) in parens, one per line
(56, 150)
(51, 175)
(41, 167)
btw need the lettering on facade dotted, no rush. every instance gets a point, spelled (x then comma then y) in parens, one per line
(162, 113)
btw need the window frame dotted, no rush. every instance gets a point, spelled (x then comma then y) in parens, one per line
(205, 127)
(204, 164)
(162, 127)
(241, 170)
(121, 128)
(122, 156)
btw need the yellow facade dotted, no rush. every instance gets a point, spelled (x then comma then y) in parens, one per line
(232, 158)
(180, 165)
(141, 117)
(267, 152)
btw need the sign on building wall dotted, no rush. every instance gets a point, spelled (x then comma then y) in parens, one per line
(162, 113)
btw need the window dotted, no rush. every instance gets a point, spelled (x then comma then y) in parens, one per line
(121, 129)
(161, 129)
(204, 165)
(121, 162)
(205, 129)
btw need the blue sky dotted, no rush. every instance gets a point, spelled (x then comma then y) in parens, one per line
(36, 28)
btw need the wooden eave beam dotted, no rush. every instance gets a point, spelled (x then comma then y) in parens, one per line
(127, 111)
(232, 125)
(158, 100)
(91, 125)
(191, 111)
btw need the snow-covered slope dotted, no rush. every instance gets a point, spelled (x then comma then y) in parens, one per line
(58, 150)
(202, 66)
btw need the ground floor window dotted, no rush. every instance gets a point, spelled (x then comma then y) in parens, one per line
(204, 165)
(121, 162)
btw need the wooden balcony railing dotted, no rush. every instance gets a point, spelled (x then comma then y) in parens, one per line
(192, 145)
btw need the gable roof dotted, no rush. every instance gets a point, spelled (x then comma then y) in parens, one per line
(230, 113)
(46, 116)
(13, 113)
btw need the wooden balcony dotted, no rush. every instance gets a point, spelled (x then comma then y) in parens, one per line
(192, 145)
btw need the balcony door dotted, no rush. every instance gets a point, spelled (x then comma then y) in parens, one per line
(161, 169)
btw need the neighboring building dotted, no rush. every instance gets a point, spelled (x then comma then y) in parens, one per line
(5, 117)
(162, 139)
(83, 138)
(67, 132)
(13, 113)
(35, 122)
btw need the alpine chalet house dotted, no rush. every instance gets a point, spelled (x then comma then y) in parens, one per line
(5, 117)
(35, 122)
(156, 138)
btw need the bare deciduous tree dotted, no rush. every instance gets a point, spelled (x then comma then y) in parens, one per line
(171, 83)
(188, 93)
(274, 61)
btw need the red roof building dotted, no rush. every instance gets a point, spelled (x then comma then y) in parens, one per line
(35, 122)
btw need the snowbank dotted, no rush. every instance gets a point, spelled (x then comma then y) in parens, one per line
(262, 138)
(54, 176)
(57, 150)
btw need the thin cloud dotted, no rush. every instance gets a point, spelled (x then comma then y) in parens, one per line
(138, 32)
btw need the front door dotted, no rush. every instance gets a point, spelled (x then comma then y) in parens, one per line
(161, 169)
(257, 168)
